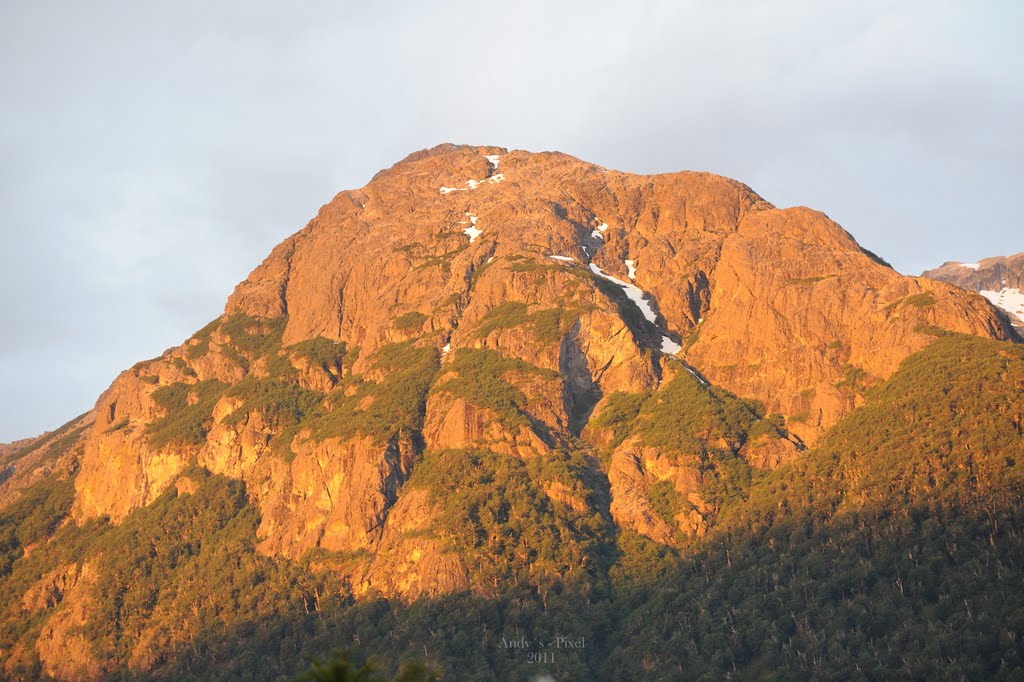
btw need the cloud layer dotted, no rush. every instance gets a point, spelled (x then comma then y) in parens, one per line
(150, 156)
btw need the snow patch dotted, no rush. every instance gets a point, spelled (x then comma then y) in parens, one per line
(493, 159)
(598, 232)
(635, 294)
(972, 266)
(1010, 300)
(447, 347)
(472, 232)
(564, 259)
(630, 269)
(669, 346)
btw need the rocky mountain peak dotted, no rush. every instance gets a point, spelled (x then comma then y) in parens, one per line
(623, 351)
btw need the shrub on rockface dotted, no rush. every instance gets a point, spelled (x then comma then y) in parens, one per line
(498, 514)
(188, 413)
(381, 409)
(481, 380)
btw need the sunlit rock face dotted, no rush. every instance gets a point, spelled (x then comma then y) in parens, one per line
(475, 297)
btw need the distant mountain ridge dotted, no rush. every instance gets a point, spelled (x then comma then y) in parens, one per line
(1000, 279)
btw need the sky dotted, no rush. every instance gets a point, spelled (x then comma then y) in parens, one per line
(151, 154)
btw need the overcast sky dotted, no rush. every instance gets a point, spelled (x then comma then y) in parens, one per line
(151, 154)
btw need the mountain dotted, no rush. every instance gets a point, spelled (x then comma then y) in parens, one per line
(494, 400)
(999, 279)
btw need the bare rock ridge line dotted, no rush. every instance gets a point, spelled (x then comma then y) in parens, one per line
(447, 305)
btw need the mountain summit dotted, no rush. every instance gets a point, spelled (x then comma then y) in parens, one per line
(486, 371)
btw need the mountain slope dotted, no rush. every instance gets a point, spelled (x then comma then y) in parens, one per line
(498, 381)
(893, 545)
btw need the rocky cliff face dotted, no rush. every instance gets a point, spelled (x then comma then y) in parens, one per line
(472, 297)
(999, 279)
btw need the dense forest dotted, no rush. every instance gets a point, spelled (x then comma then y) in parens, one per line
(892, 548)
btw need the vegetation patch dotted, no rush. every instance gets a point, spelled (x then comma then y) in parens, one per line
(685, 415)
(496, 511)
(504, 316)
(932, 330)
(771, 426)
(452, 300)
(547, 324)
(921, 300)
(410, 320)
(875, 257)
(692, 337)
(182, 366)
(666, 502)
(536, 266)
(252, 337)
(807, 280)
(396, 404)
(619, 414)
(443, 260)
(855, 379)
(198, 350)
(283, 404)
(33, 517)
(319, 352)
(481, 381)
(189, 413)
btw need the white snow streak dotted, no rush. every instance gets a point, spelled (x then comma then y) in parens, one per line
(695, 374)
(446, 349)
(639, 299)
(630, 269)
(972, 266)
(635, 294)
(493, 159)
